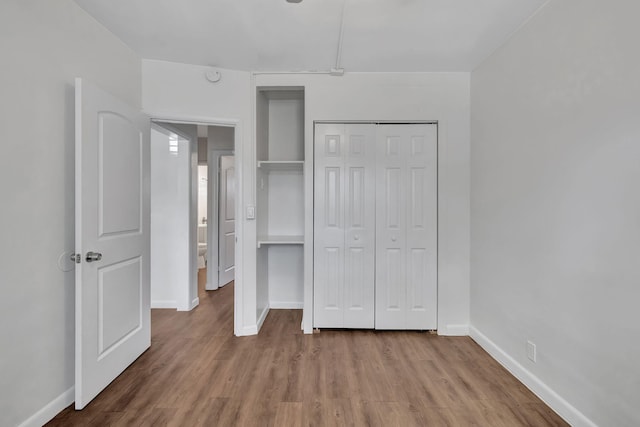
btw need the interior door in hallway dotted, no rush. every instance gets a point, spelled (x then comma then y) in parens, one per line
(406, 227)
(112, 239)
(227, 219)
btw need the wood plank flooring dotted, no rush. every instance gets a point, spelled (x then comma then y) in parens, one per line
(196, 373)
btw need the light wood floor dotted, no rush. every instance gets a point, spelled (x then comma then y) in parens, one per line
(196, 373)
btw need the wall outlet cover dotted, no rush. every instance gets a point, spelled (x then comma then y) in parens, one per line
(531, 351)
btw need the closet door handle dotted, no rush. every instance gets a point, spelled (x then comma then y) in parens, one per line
(356, 237)
(394, 238)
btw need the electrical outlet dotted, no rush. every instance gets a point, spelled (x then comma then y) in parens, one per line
(531, 351)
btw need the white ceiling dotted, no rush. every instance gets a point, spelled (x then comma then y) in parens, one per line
(273, 35)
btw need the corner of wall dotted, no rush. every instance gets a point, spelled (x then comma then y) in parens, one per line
(454, 331)
(50, 410)
(164, 304)
(570, 414)
(262, 317)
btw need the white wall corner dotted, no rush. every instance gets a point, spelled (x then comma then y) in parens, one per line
(454, 331)
(570, 414)
(248, 330)
(164, 304)
(253, 329)
(50, 410)
(262, 318)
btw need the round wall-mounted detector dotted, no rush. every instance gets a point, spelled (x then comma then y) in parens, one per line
(213, 75)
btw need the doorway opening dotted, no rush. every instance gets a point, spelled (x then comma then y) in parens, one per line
(193, 205)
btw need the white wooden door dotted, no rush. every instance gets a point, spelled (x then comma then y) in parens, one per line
(227, 220)
(406, 227)
(344, 225)
(112, 239)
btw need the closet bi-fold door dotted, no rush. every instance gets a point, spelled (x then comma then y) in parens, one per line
(406, 227)
(344, 226)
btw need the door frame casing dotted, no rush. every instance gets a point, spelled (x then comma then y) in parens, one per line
(238, 307)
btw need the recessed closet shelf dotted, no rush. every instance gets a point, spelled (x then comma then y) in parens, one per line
(281, 164)
(280, 240)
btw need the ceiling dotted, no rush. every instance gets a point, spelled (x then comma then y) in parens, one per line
(274, 35)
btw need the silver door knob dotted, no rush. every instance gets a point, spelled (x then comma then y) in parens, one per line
(356, 237)
(93, 256)
(394, 238)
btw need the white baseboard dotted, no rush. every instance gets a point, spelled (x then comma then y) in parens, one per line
(283, 305)
(253, 329)
(210, 287)
(164, 304)
(454, 331)
(248, 330)
(262, 317)
(50, 410)
(533, 383)
(189, 305)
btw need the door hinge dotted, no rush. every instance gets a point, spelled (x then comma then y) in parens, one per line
(77, 258)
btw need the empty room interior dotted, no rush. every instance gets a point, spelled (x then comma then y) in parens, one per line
(320, 212)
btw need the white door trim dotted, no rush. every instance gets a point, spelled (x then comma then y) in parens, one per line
(238, 307)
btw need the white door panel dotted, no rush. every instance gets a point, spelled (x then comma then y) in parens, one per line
(112, 219)
(227, 218)
(359, 227)
(406, 227)
(328, 226)
(344, 231)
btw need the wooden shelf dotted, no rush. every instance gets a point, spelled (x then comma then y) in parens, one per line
(282, 165)
(280, 240)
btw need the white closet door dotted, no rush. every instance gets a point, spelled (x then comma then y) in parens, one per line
(359, 226)
(406, 227)
(344, 226)
(328, 233)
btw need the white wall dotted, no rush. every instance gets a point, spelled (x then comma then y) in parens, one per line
(44, 45)
(180, 91)
(170, 225)
(404, 96)
(220, 137)
(171, 89)
(555, 207)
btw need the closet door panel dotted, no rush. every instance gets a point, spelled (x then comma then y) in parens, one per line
(390, 228)
(329, 248)
(359, 230)
(406, 270)
(422, 227)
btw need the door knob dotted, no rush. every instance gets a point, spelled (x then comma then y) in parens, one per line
(394, 238)
(93, 256)
(356, 237)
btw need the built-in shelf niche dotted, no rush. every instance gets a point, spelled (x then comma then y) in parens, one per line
(280, 194)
